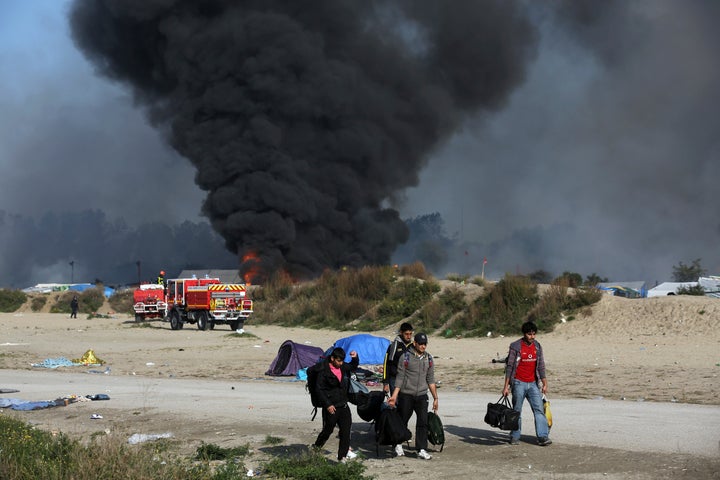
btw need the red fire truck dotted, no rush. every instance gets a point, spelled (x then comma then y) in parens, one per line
(149, 302)
(207, 302)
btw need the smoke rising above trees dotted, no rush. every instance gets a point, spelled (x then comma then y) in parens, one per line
(304, 122)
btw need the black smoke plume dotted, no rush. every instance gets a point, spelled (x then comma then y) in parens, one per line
(305, 120)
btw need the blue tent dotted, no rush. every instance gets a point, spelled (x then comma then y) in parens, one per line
(370, 349)
(81, 287)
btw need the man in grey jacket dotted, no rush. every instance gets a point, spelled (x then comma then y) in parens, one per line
(415, 376)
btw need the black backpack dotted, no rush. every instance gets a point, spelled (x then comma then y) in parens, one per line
(390, 429)
(312, 375)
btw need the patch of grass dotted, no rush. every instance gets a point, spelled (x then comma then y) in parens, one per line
(456, 277)
(210, 451)
(313, 466)
(405, 297)
(334, 300)
(29, 454)
(375, 298)
(415, 270)
(145, 324)
(38, 302)
(241, 335)
(11, 300)
(122, 302)
(501, 310)
(435, 313)
(271, 440)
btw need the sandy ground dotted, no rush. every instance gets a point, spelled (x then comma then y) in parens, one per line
(634, 388)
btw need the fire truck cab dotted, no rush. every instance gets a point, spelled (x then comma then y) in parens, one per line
(207, 302)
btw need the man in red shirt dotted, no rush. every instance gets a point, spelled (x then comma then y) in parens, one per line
(525, 374)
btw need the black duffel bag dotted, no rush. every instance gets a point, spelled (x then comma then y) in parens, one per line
(501, 415)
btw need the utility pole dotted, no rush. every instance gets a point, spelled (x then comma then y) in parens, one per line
(72, 271)
(139, 272)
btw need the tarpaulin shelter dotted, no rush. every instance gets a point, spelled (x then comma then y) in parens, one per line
(370, 349)
(292, 357)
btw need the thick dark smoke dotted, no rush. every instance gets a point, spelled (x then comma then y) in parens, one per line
(304, 120)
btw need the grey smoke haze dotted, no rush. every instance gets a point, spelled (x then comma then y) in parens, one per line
(598, 154)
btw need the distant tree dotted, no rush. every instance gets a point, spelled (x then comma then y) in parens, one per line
(540, 276)
(688, 273)
(571, 279)
(593, 279)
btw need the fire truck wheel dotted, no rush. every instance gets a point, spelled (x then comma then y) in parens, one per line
(202, 321)
(175, 323)
(211, 325)
(138, 318)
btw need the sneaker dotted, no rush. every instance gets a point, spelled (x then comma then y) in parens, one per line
(343, 460)
(424, 455)
(514, 441)
(544, 441)
(399, 450)
(351, 454)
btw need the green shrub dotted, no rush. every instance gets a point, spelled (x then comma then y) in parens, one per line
(210, 451)
(501, 310)
(405, 297)
(435, 313)
(38, 302)
(334, 300)
(697, 290)
(456, 277)
(122, 302)
(415, 270)
(11, 300)
(29, 454)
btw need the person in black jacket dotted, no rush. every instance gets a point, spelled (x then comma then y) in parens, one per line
(392, 356)
(331, 388)
(74, 305)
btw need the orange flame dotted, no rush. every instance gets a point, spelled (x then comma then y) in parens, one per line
(251, 266)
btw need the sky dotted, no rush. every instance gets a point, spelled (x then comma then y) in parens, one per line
(603, 158)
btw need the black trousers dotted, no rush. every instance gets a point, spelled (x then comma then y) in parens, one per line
(342, 418)
(407, 404)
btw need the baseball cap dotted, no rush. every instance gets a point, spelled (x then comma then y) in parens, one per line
(406, 327)
(421, 338)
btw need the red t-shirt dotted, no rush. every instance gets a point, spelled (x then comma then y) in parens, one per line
(525, 371)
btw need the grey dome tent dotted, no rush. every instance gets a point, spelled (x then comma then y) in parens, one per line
(292, 357)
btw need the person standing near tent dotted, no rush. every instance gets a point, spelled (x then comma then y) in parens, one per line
(396, 350)
(416, 375)
(525, 370)
(74, 304)
(331, 388)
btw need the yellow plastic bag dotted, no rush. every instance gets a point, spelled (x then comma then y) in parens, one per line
(548, 413)
(89, 359)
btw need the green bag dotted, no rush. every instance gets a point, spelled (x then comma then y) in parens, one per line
(436, 434)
